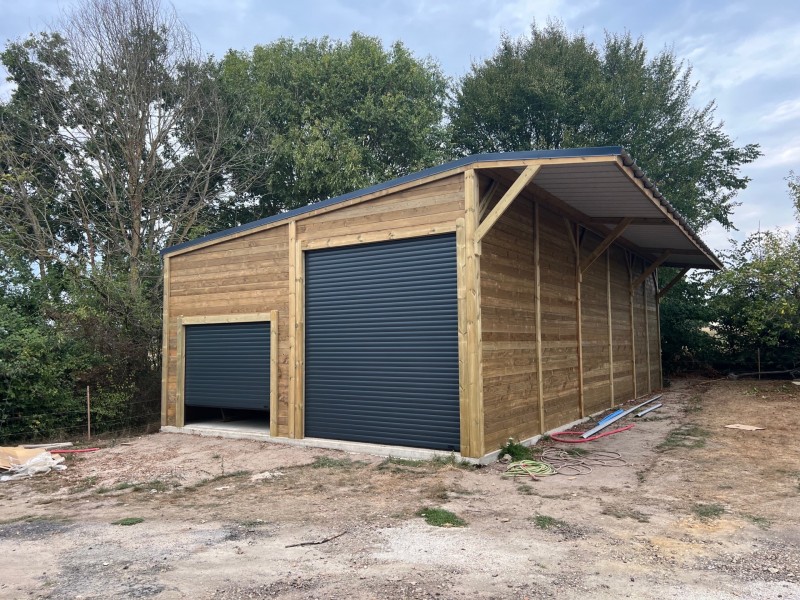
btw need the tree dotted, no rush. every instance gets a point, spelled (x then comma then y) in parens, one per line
(336, 116)
(111, 148)
(554, 90)
(756, 301)
(110, 145)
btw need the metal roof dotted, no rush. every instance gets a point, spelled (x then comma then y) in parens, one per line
(597, 190)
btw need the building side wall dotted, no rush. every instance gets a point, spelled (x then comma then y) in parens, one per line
(250, 274)
(246, 275)
(594, 329)
(508, 319)
(510, 376)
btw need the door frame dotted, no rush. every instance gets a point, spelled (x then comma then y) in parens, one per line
(269, 317)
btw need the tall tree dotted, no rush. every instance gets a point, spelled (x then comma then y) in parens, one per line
(110, 149)
(553, 90)
(335, 116)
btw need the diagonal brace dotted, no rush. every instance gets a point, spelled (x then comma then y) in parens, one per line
(609, 239)
(662, 292)
(649, 270)
(509, 197)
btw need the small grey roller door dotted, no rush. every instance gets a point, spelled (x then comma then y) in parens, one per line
(382, 343)
(227, 365)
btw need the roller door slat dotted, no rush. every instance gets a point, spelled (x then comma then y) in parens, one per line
(381, 343)
(227, 365)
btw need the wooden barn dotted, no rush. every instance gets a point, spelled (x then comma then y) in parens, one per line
(496, 296)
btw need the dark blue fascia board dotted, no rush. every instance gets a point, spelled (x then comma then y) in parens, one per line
(461, 162)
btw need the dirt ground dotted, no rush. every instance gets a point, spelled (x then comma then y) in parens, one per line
(697, 511)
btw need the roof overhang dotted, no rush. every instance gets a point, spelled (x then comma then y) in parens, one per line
(596, 187)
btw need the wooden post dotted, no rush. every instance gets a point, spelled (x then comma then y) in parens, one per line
(472, 274)
(88, 414)
(463, 338)
(180, 374)
(273, 374)
(538, 307)
(628, 260)
(165, 344)
(576, 245)
(610, 328)
(299, 341)
(658, 332)
(292, 329)
(647, 336)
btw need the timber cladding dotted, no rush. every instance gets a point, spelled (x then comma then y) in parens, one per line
(555, 322)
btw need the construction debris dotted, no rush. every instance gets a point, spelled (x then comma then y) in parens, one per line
(26, 462)
(649, 409)
(744, 427)
(607, 422)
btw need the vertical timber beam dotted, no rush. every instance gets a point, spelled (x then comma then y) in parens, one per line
(538, 307)
(647, 336)
(273, 373)
(292, 329)
(574, 235)
(463, 338)
(610, 328)
(472, 272)
(165, 345)
(628, 261)
(180, 374)
(658, 331)
(299, 340)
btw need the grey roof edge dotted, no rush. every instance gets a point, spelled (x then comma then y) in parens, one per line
(627, 161)
(443, 168)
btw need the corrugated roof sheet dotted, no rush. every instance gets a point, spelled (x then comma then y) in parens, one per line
(509, 157)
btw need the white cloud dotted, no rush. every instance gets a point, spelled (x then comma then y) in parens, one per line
(787, 155)
(788, 110)
(515, 17)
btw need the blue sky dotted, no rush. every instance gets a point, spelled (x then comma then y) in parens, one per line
(746, 55)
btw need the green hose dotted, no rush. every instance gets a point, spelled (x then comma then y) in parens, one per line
(529, 468)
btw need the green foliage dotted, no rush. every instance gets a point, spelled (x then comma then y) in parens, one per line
(128, 521)
(545, 522)
(756, 302)
(332, 117)
(708, 511)
(515, 451)
(687, 344)
(439, 517)
(557, 90)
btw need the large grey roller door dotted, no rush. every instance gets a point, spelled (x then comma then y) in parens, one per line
(227, 365)
(382, 343)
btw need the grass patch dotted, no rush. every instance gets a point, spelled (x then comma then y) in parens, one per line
(102, 490)
(694, 405)
(576, 451)
(84, 484)
(123, 486)
(127, 521)
(326, 462)
(404, 462)
(150, 486)
(515, 451)
(761, 522)
(439, 517)
(708, 511)
(545, 522)
(450, 461)
(625, 513)
(686, 436)
(525, 489)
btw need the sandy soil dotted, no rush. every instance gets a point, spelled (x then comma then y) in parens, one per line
(218, 516)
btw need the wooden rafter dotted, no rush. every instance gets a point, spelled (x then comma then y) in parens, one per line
(483, 206)
(674, 280)
(509, 197)
(636, 221)
(651, 269)
(609, 239)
